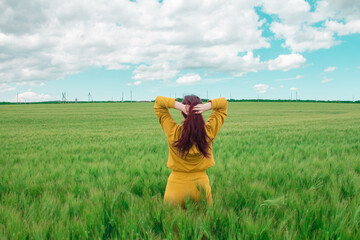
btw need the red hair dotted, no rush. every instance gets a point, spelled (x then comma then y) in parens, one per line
(193, 130)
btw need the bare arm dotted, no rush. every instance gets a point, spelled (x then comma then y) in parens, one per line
(181, 107)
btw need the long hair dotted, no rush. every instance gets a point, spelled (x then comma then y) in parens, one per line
(193, 130)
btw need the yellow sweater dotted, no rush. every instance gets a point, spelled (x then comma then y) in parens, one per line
(194, 161)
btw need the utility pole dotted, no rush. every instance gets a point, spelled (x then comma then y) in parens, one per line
(130, 96)
(122, 99)
(230, 95)
(64, 97)
(90, 98)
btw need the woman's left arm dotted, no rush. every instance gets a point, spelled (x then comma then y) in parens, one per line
(161, 108)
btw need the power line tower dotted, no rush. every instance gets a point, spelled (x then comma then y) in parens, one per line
(64, 97)
(90, 98)
(122, 99)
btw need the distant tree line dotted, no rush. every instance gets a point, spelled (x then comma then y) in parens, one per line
(180, 100)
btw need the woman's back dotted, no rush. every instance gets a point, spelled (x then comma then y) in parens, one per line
(187, 158)
(194, 160)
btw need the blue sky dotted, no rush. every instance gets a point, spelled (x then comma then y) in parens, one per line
(262, 49)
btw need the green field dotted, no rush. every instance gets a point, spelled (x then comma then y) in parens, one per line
(98, 171)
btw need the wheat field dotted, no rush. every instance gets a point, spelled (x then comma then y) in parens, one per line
(98, 171)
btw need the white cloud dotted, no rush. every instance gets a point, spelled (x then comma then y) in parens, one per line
(31, 83)
(294, 89)
(64, 38)
(281, 86)
(344, 29)
(188, 78)
(325, 80)
(330, 69)
(128, 84)
(116, 66)
(261, 88)
(306, 29)
(286, 62)
(290, 11)
(4, 87)
(340, 9)
(154, 72)
(302, 37)
(163, 39)
(30, 96)
(137, 82)
(289, 79)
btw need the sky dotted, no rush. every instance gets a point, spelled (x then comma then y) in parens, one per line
(121, 50)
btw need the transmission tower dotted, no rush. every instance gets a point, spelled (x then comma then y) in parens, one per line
(90, 98)
(64, 97)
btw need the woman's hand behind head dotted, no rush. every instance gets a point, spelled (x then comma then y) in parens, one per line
(200, 108)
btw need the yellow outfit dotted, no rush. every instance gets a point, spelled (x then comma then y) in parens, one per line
(188, 173)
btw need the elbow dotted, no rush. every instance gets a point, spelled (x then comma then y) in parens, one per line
(225, 103)
(157, 99)
(156, 102)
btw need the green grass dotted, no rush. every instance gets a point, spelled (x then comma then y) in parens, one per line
(98, 171)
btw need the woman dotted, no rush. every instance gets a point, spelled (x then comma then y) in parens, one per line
(190, 145)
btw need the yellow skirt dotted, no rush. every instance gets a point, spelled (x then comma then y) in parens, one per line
(182, 185)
